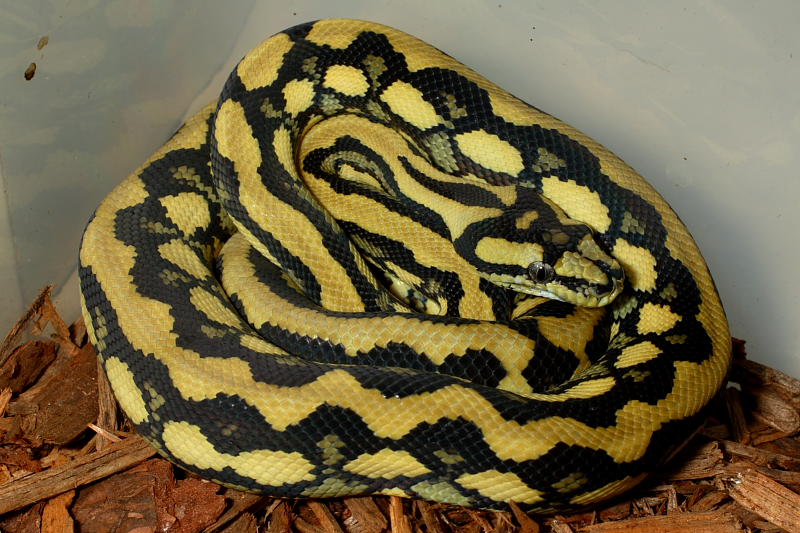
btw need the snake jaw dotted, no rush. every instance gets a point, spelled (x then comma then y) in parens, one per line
(586, 296)
(589, 295)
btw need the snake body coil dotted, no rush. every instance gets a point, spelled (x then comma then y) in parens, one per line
(386, 224)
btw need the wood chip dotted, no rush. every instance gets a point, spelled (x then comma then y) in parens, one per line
(108, 414)
(761, 457)
(105, 434)
(430, 518)
(709, 501)
(58, 414)
(125, 502)
(240, 502)
(326, 519)
(770, 407)
(25, 364)
(760, 494)
(616, 512)
(56, 516)
(5, 398)
(279, 518)
(365, 516)
(558, 525)
(245, 523)
(526, 523)
(56, 480)
(733, 401)
(753, 373)
(400, 522)
(28, 521)
(712, 522)
(698, 462)
(25, 323)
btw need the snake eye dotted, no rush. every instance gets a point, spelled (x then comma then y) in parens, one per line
(541, 272)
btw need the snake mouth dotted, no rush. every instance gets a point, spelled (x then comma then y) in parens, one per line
(533, 291)
(584, 296)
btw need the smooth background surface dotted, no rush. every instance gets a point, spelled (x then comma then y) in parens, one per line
(700, 97)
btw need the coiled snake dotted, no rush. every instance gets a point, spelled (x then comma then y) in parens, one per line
(402, 246)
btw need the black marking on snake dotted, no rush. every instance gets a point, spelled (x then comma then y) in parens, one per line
(394, 200)
(393, 354)
(232, 425)
(466, 194)
(448, 283)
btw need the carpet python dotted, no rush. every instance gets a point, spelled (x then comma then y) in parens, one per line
(431, 288)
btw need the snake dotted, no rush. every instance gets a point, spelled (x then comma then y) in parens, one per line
(366, 269)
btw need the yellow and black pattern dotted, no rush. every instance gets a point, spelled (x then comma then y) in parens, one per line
(431, 288)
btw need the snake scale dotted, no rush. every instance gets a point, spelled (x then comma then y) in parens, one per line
(431, 288)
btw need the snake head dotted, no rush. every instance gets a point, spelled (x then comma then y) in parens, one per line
(585, 276)
(535, 248)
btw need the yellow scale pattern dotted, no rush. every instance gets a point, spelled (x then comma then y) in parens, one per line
(134, 327)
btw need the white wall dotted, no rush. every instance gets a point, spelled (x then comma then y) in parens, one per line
(110, 85)
(700, 97)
